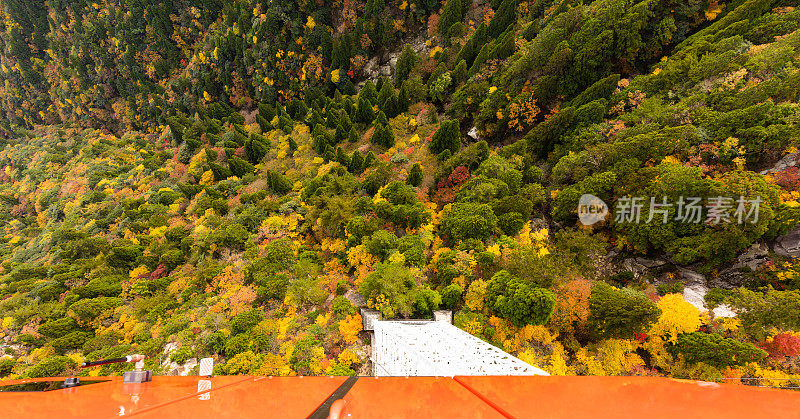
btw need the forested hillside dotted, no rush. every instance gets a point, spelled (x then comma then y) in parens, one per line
(196, 178)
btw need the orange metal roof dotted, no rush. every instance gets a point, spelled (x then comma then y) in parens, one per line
(398, 397)
(613, 397)
(103, 400)
(256, 397)
(414, 397)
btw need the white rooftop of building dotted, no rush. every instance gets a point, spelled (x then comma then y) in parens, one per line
(437, 348)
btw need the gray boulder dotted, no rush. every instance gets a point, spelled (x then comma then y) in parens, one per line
(789, 245)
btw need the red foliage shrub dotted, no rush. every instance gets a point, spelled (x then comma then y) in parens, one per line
(783, 344)
(458, 176)
(160, 272)
(788, 179)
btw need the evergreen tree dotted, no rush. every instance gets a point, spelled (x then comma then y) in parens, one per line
(519, 301)
(364, 113)
(321, 139)
(349, 107)
(506, 15)
(329, 154)
(278, 182)
(220, 172)
(342, 158)
(542, 138)
(356, 163)
(340, 56)
(344, 120)
(467, 52)
(505, 47)
(379, 85)
(368, 92)
(369, 160)
(316, 118)
(391, 107)
(615, 313)
(403, 101)
(348, 87)
(405, 63)
(459, 74)
(286, 124)
(353, 137)
(386, 92)
(381, 119)
(297, 109)
(383, 136)
(715, 350)
(256, 148)
(331, 116)
(483, 55)
(266, 110)
(263, 123)
(415, 175)
(240, 167)
(440, 70)
(601, 89)
(340, 135)
(451, 13)
(447, 137)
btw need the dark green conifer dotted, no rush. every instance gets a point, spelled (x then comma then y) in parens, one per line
(364, 113)
(342, 158)
(353, 137)
(415, 175)
(447, 137)
(356, 163)
(340, 134)
(459, 74)
(405, 63)
(403, 101)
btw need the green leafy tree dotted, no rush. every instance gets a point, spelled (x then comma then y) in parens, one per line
(50, 367)
(245, 321)
(762, 311)
(396, 284)
(619, 313)
(521, 303)
(468, 221)
(715, 350)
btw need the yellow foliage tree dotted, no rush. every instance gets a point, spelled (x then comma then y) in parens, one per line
(476, 295)
(617, 356)
(274, 365)
(677, 316)
(361, 260)
(349, 328)
(348, 357)
(558, 361)
(207, 178)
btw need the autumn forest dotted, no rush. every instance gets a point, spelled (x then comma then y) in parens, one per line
(237, 179)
